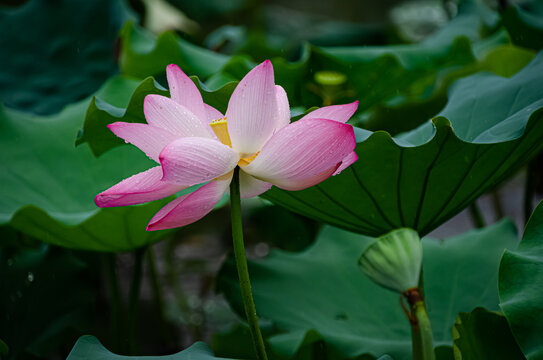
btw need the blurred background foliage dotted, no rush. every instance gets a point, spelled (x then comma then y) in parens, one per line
(68, 268)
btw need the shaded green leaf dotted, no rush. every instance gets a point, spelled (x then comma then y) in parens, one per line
(484, 335)
(59, 52)
(320, 292)
(143, 54)
(416, 75)
(102, 113)
(44, 292)
(525, 24)
(4, 349)
(90, 348)
(489, 128)
(48, 186)
(521, 298)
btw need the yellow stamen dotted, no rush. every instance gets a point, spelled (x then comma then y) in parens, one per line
(221, 130)
(246, 161)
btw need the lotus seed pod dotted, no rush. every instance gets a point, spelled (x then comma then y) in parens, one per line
(394, 260)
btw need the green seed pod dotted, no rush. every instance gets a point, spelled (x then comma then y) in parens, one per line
(330, 78)
(394, 260)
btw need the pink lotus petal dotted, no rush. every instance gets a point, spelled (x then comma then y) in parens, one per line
(184, 92)
(345, 163)
(252, 110)
(140, 188)
(340, 113)
(251, 187)
(149, 139)
(212, 114)
(163, 112)
(191, 207)
(283, 113)
(190, 161)
(303, 153)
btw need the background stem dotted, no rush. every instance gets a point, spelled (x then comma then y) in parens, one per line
(114, 300)
(476, 215)
(529, 190)
(158, 296)
(243, 271)
(134, 297)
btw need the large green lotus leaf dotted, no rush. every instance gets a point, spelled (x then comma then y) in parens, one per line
(48, 185)
(232, 343)
(101, 112)
(89, 348)
(505, 60)
(521, 297)
(408, 110)
(211, 12)
(45, 291)
(376, 73)
(321, 293)
(143, 54)
(489, 128)
(525, 24)
(484, 335)
(56, 53)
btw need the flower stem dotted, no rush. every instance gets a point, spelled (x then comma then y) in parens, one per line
(243, 272)
(421, 330)
(425, 337)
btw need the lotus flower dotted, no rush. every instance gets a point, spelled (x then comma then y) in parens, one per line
(194, 143)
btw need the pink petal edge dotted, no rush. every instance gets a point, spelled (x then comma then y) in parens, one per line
(252, 110)
(139, 188)
(163, 112)
(184, 92)
(189, 208)
(341, 113)
(148, 138)
(283, 108)
(190, 161)
(250, 187)
(346, 162)
(303, 153)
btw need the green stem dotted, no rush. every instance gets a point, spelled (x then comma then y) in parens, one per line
(476, 215)
(134, 297)
(243, 271)
(421, 330)
(423, 336)
(114, 298)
